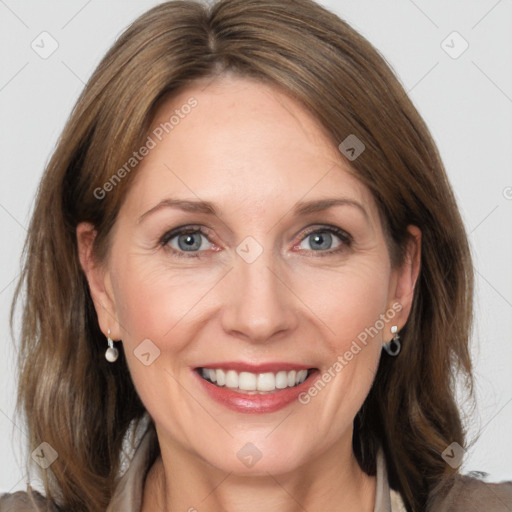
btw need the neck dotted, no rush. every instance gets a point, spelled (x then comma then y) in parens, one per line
(333, 481)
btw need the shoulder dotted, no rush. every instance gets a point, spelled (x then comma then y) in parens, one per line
(24, 502)
(467, 493)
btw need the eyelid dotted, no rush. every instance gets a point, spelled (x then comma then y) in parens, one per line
(182, 230)
(344, 235)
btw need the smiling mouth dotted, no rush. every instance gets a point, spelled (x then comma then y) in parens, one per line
(254, 383)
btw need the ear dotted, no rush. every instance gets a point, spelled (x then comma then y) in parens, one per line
(99, 281)
(404, 279)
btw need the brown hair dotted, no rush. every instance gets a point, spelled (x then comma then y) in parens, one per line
(80, 404)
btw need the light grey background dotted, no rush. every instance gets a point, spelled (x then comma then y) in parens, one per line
(466, 102)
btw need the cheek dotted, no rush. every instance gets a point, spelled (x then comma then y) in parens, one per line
(155, 302)
(349, 301)
(158, 310)
(352, 305)
(155, 309)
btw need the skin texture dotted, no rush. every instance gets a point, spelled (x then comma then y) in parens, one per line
(253, 153)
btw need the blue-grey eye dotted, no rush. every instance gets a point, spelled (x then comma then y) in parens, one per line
(189, 242)
(321, 240)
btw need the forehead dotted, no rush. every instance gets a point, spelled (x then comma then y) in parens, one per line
(241, 142)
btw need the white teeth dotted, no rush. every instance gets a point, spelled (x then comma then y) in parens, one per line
(247, 381)
(231, 379)
(221, 377)
(266, 382)
(301, 376)
(281, 380)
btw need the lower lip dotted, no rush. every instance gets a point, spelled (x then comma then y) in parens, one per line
(256, 403)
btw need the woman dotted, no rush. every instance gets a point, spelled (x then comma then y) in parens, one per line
(243, 211)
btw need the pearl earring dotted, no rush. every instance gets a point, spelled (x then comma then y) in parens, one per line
(393, 347)
(112, 353)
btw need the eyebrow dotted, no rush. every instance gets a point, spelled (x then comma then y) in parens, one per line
(187, 205)
(300, 209)
(308, 207)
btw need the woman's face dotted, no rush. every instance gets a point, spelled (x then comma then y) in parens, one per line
(244, 248)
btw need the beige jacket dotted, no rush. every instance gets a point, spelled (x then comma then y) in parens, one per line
(468, 495)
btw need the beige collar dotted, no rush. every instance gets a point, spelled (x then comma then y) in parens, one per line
(128, 494)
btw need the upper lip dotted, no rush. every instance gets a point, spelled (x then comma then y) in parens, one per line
(271, 366)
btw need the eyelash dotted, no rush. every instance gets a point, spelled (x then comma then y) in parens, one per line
(345, 238)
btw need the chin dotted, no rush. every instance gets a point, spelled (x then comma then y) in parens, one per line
(260, 454)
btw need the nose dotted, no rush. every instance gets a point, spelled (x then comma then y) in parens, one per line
(258, 303)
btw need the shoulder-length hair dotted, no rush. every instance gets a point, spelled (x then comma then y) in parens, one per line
(80, 404)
